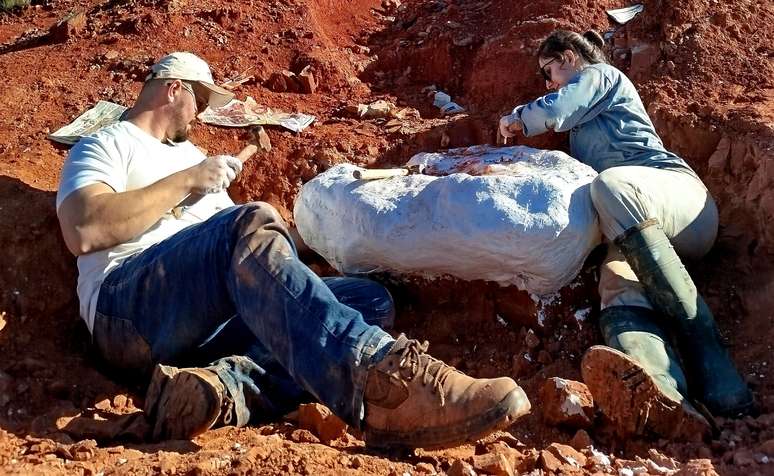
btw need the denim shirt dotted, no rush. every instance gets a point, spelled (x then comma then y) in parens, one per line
(607, 121)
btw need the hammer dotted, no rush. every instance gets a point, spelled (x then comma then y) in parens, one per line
(243, 156)
(375, 174)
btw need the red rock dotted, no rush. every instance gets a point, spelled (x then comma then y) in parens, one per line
(69, 27)
(527, 461)
(549, 462)
(461, 468)
(303, 436)
(307, 81)
(697, 467)
(663, 460)
(493, 463)
(120, 401)
(567, 402)
(567, 455)
(284, 81)
(390, 5)
(531, 339)
(321, 421)
(581, 440)
(357, 462)
(426, 468)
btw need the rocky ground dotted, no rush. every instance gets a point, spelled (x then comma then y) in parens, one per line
(705, 69)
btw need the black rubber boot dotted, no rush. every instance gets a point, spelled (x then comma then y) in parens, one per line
(637, 381)
(672, 292)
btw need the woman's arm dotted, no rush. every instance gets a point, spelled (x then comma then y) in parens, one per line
(580, 100)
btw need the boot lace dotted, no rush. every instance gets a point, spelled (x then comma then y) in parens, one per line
(432, 370)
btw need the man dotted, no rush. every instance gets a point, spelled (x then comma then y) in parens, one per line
(171, 273)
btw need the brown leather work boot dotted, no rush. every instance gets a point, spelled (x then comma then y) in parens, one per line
(635, 402)
(183, 403)
(413, 400)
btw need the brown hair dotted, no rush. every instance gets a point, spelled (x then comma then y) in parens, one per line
(587, 46)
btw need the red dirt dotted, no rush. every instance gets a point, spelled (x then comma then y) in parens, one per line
(703, 67)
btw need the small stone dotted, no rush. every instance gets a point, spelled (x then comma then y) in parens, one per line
(567, 402)
(426, 468)
(493, 463)
(663, 460)
(303, 436)
(461, 468)
(697, 467)
(69, 27)
(549, 462)
(567, 455)
(307, 81)
(390, 6)
(581, 440)
(377, 110)
(531, 339)
(321, 421)
(284, 81)
(357, 462)
(104, 405)
(83, 450)
(120, 401)
(598, 460)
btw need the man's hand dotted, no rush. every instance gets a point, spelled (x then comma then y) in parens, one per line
(510, 125)
(214, 174)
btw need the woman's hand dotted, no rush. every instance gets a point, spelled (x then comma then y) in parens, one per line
(510, 125)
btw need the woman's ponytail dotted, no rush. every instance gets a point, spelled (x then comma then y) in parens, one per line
(588, 46)
(594, 38)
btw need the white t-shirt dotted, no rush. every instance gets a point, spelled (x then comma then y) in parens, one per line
(126, 158)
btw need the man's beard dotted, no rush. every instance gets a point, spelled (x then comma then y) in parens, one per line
(180, 134)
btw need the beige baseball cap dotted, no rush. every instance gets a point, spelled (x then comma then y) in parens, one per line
(189, 67)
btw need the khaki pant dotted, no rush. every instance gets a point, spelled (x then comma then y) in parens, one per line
(626, 196)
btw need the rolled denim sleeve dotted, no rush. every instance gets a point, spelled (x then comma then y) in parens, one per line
(580, 100)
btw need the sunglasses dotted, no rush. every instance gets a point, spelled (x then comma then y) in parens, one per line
(201, 103)
(547, 73)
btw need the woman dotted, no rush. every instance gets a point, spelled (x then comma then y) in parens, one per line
(652, 207)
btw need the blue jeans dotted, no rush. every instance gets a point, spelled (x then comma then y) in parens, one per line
(232, 290)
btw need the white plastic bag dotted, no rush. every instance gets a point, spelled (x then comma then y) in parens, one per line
(524, 217)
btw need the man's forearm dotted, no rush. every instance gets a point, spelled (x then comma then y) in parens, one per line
(104, 220)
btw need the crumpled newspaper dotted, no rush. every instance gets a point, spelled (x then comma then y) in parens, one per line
(249, 113)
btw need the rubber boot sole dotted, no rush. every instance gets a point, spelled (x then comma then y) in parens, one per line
(182, 403)
(633, 401)
(512, 407)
